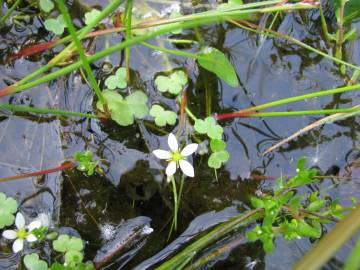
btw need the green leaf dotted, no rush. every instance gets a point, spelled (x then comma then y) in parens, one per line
(316, 206)
(73, 257)
(217, 145)
(217, 159)
(305, 230)
(118, 80)
(56, 26)
(46, 5)
(8, 207)
(352, 11)
(215, 61)
(32, 262)
(91, 16)
(174, 83)
(65, 243)
(124, 111)
(162, 117)
(209, 127)
(256, 202)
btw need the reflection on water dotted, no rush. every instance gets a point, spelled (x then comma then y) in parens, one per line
(131, 185)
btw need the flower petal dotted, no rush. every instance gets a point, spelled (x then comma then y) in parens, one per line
(189, 149)
(18, 245)
(171, 168)
(172, 142)
(34, 225)
(162, 154)
(31, 238)
(9, 234)
(187, 168)
(19, 221)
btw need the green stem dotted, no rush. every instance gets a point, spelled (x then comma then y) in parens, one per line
(206, 18)
(175, 202)
(215, 234)
(323, 250)
(323, 22)
(340, 31)
(256, 29)
(81, 52)
(129, 6)
(302, 97)
(9, 12)
(190, 114)
(285, 114)
(81, 34)
(37, 110)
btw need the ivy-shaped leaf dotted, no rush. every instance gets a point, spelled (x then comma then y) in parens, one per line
(209, 127)
(32, 262)
(46, 5)
(91, 15)
(173, 83)
(162, 117)
(215, 61)
(65, 243)
(56, 26)
(118, 80)
(217, 159)
(124, 111)
(8, 207)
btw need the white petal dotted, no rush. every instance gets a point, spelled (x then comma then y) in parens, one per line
(18, 245)
(31, 238)
(187, 168)
(162, 154)
(171, 168)
(189, 149)
(34, 225)
(9, 234)
(172, 142)
(19, 221)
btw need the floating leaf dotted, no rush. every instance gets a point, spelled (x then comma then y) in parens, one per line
(217, 159)
(56, 26)
(118, 80)
(32, 262)
(162, 117)
(91, 16)
(65, 243)
(124, 111)
(217, 145)
(173, 83)
(209, 127)
(215, 61)
(46, 5)
(86, 164)
(8, 207)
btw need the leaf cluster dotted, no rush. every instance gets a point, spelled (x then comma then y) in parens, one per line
(8, 207)
(86, 163)
(173, 83)
(219, 155)
(162, 116)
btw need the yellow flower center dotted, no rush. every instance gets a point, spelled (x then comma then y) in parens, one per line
(21, 233)
(176, 156)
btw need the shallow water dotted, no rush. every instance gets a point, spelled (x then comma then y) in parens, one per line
(131, 185)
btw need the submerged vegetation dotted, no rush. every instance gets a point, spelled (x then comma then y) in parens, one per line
(165, 107)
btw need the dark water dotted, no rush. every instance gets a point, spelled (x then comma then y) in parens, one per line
(132, 186)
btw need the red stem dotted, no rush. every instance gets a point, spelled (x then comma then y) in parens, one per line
(226, 116)
(67, 165)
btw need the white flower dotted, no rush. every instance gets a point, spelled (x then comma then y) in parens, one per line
(22, 233)
(177, 158)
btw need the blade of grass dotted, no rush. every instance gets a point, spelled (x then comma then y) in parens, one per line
(215, 234)
(37, 110)
(323, 250)
(83, 58)
(353, 262)
(284, 101)
(285, 114)
(9, 12)
(129, 6)
(205, 19)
